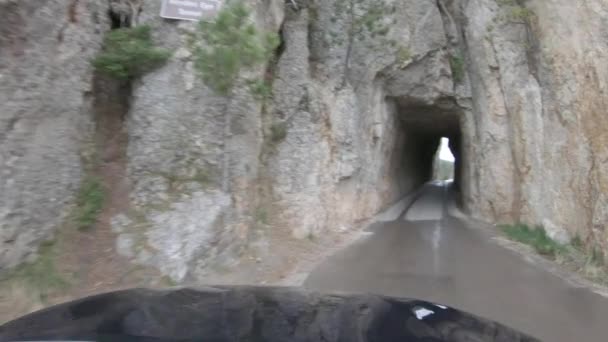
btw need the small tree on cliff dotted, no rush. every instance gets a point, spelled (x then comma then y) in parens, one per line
(230, 44)
(129, 53)
(226, 47)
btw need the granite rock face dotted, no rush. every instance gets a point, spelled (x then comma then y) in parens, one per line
(352, 126)
(187, 208)
(254, 314)
(348, 153)
(531, 139)
(46, 83)
(360, 120)
(330, 148)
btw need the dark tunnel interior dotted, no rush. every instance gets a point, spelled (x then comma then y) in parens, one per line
(423, 127)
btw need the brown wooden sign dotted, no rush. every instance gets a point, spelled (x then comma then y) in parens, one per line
(190, 9)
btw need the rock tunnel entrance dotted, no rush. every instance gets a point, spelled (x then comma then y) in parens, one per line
(423, 127)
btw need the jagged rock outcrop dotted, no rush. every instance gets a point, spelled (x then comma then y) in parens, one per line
(185, 211)
(533, 136)
(357, 137)
(254, 314)
(348, 152)
(343, 157)
(45, 114)
(573, 74)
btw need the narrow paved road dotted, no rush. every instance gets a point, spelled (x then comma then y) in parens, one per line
(428, 255)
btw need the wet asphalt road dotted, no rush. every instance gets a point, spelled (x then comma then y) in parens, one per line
(428, 255)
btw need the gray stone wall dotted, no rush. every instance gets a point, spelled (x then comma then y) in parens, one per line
(533, 136)
(187, 213)
(45, 114)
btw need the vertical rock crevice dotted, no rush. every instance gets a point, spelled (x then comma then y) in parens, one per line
(106, 165)
(506, 103)
(273, 130)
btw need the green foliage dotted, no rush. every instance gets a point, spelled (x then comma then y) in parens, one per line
(311, 236)
(457, 66)
(589, 262)
(129, 53)
(404, 56)
(260, 89)
(520, 14)
(168, 281)
(534, 237)
(597, 257)
(230, 44)
(577, 242)
(40, 275)
(516, 12)
(261, 215)
(200, 175)
(278, 132)
(89, 202)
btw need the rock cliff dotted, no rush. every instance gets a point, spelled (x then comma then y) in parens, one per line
(353, 123)
(532, 136)
(46, 121)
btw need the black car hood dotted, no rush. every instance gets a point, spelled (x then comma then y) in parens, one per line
(226, 314)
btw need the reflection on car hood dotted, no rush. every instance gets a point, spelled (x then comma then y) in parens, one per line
(221, 314)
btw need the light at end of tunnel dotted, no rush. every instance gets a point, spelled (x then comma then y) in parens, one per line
(444, 151)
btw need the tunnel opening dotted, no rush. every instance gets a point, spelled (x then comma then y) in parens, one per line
(431, 133)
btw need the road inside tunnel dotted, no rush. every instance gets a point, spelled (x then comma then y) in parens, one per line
(424, 128)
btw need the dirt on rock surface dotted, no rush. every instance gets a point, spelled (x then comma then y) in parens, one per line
(90, 255)
(85, 262)
(82, 261)
(94, 267)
